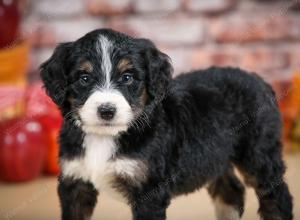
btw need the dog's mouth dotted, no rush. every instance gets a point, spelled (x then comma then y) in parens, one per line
(106, 128)
(109, 124)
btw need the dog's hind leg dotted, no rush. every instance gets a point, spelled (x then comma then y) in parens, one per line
(263, 169)
(227, 193)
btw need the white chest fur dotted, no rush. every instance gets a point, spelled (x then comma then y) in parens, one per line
(99, 165)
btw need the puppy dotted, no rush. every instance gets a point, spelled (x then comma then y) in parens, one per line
(132, 131)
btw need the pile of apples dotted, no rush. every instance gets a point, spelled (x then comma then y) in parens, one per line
(28, 142)
(29, 120)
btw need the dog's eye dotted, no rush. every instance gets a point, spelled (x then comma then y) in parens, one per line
(84, 79)
(126, 78)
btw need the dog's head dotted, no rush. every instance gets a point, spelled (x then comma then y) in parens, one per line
(104, 81)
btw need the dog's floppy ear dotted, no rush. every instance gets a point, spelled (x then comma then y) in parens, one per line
(53, 73)
(159, 72)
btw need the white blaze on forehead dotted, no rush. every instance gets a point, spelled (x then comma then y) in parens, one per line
(104, 47)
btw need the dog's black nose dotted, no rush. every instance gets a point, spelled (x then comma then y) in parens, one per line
(107, 111)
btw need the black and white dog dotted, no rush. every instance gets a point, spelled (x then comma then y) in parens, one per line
(132, 131)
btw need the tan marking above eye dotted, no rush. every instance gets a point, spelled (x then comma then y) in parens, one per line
(86, 66)
(144, 97)
(124, 64)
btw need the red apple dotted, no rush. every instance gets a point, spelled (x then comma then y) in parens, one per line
(23, 149)
(9, 22)
(41, 106)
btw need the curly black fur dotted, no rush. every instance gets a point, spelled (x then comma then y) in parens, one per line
(201, 124)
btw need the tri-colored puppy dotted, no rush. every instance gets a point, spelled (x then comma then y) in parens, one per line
(132, 131)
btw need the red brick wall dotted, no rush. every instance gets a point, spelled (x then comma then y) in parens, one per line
(259, 36)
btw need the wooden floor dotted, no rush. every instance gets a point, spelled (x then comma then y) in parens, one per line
(38, 201)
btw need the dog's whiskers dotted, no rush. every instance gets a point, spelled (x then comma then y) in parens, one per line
(72, 117)
(141, 121)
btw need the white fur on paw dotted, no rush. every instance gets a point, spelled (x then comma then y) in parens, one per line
(225, 211)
